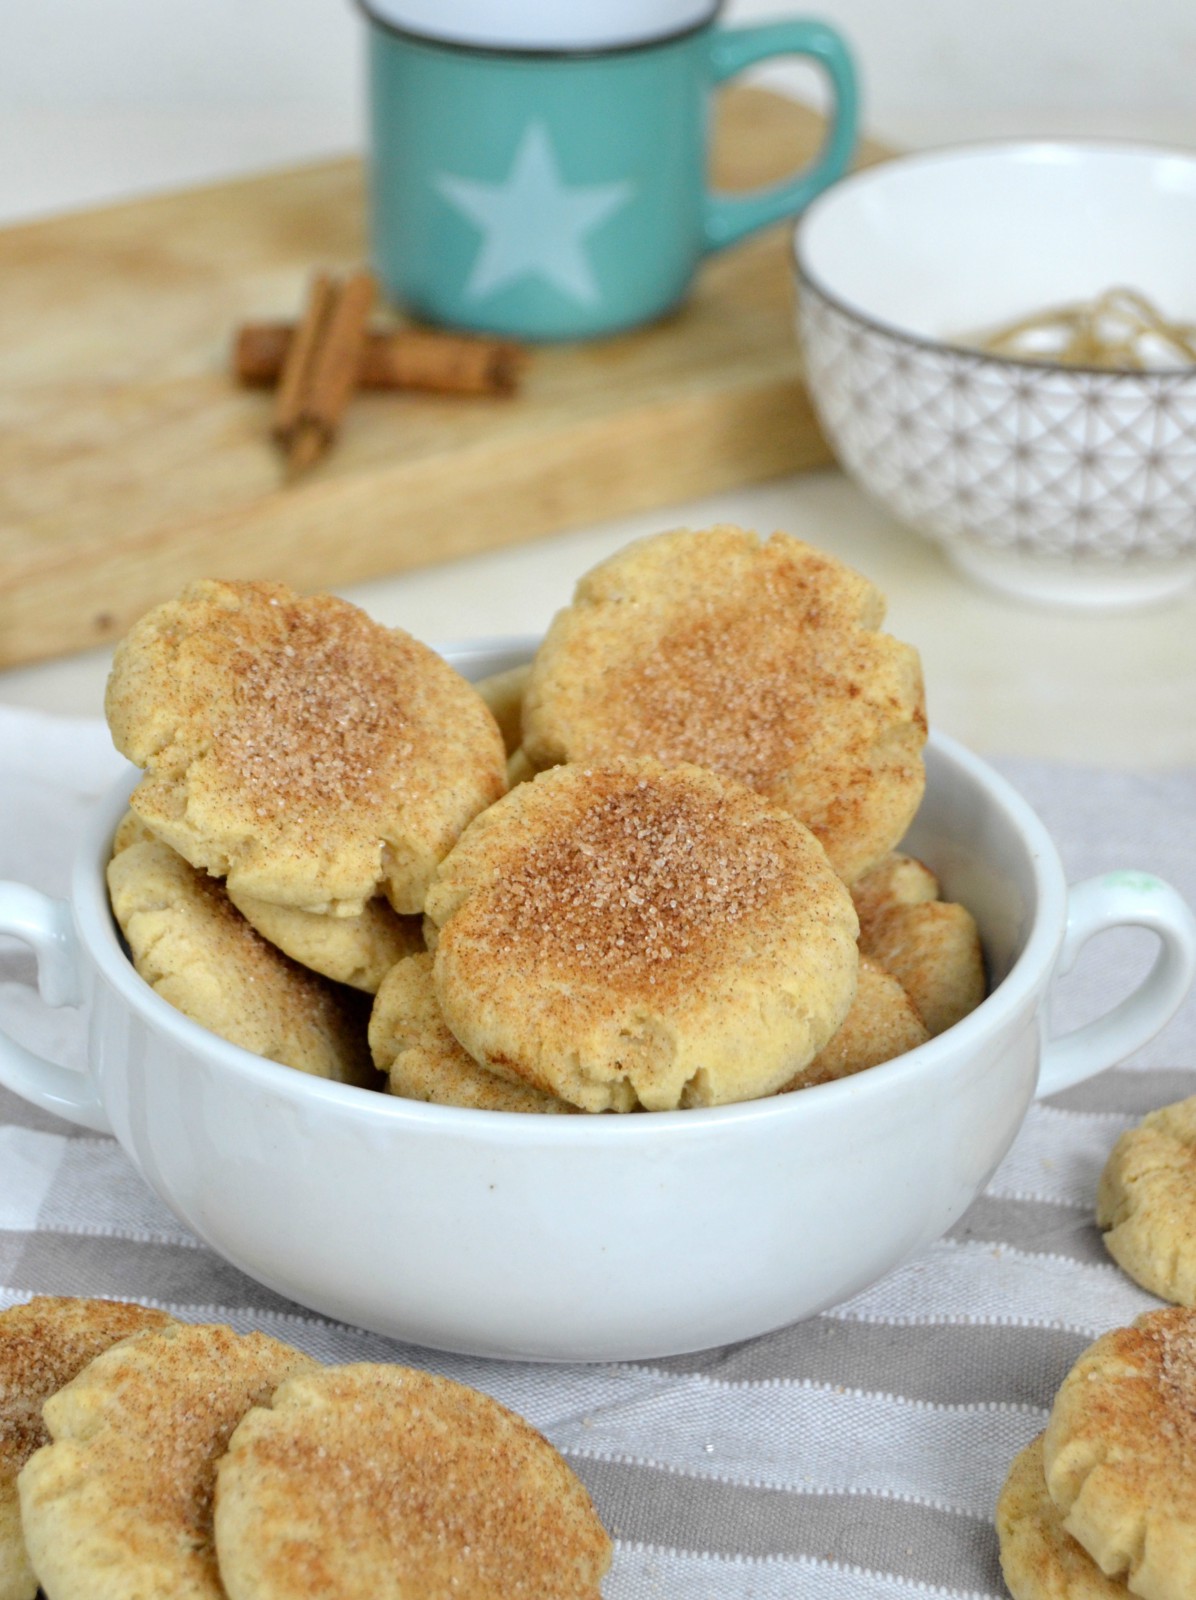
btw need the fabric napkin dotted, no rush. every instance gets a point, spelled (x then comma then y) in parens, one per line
(856, 1456)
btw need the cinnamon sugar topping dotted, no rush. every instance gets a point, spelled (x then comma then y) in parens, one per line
(1177, 1371)
(647, 875)
(314, 716)
(295, 747)
(721, 690)
(761, 661)
(364, 1479)
(43, 1345)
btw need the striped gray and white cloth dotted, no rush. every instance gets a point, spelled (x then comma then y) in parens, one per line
(856, 1456)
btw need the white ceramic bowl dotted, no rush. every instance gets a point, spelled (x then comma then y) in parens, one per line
(1074, 487)
(606, 1237)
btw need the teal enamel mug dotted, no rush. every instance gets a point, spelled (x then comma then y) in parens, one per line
(540, 170)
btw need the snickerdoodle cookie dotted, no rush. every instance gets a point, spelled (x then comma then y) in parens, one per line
(294, 746)
(1146, 1203)
(196, 950)
(881, 1024)
(43, 1345)
(761, 660)
(897, 880)
(373, 1482)
(1119, 1454)
(629, 933)
(1039, 1558)
(120, 1504)
(358, 950)
(412, 1045)
(519, 769)
(503, 693)
(931, 946)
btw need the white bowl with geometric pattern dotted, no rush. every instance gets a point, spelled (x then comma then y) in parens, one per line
(1069, 486)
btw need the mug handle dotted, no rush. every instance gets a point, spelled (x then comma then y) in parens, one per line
(1119, 900)
(727, 219)
(45, 926)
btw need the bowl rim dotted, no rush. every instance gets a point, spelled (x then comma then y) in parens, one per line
(102, 941)
(944, 155)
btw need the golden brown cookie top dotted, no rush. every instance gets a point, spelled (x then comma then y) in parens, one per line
(758, 659)
(631, 875)
(1039, 1558)
(370, 1479)
(298, 747)
(121, 1502)
(1120, 1453)
(1146, 1202)
(608, 925)
(43, 1345)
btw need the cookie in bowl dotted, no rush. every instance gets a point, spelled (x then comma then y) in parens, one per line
(628, 934)
(193, 948)
(422, 1060)
(762, 659)
(299, 749)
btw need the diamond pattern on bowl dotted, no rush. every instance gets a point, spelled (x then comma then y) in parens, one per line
(1044, 462)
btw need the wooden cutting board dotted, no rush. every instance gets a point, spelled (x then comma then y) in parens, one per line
(130, 462)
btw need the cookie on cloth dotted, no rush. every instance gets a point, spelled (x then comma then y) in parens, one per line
(1039, 1558)
(882, 1023)
(296, 747)
(376, 1482)
(931, 946)
(1146, 1203)
(760, 659)
(358, 950)
(632, 934)
(411, 1043)
(503, 693)
(120, 1503)
(1119, 1454)
(43, 1345)
(196, 950)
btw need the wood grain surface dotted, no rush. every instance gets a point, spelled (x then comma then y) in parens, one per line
(130, 462)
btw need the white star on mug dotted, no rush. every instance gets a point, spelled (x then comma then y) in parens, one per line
(533, 224)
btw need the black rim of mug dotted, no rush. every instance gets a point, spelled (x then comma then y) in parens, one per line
(530, 53)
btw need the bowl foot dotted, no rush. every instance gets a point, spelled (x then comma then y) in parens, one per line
(1077, 586)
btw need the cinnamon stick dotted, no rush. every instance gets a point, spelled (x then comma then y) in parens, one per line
(406, 358)
(319, 372)
(295, 376)
(332, 375)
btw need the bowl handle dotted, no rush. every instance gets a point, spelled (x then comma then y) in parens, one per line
(45, 926)
(1118, 900)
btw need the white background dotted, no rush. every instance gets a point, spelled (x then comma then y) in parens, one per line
(104, 98)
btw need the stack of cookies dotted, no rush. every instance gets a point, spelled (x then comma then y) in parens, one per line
(1103, 1504)
(142, 1457)
(306, 772)
(687, 894)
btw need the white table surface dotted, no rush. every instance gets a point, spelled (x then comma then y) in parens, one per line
(1007, 679)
